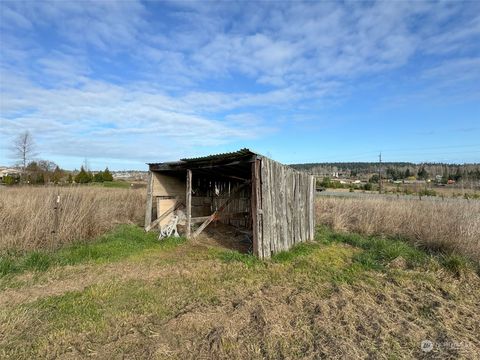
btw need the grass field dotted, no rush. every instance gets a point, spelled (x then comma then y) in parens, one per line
(126, 295)
(29, 221)
(449, 226)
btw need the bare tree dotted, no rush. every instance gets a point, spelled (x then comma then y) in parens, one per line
(23, 149)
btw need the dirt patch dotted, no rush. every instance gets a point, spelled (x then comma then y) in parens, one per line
(226, 237)
(61, 280)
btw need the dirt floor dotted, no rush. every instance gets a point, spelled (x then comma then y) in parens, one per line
(202, 300)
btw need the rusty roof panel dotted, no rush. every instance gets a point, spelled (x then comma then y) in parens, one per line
(224, 156)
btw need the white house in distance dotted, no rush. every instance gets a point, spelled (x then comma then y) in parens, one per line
(15, 173)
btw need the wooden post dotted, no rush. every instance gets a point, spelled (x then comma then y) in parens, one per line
(148, 209)
(253, 203)
(56, 208)
(189, 202)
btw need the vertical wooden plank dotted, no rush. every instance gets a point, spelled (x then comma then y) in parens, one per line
(290, 213)
(188, 197)
(274, 201)
(266, 225)
(313, 207)
(148, 209)
(302, 207)
(298, 236)
(275, 205)
(271, 209)
(259, 207)
(254, 207)
(305, 207)
(287, 205)
(283, 208)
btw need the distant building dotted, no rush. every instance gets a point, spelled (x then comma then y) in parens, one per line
(14, 173)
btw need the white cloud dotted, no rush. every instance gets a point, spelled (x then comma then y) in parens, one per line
(78, 73)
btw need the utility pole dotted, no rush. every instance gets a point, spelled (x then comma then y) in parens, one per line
(380, 173)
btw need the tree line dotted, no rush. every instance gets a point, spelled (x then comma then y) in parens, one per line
(39, 172)
(396, 170)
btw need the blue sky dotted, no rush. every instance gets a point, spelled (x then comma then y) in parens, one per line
(130, 82)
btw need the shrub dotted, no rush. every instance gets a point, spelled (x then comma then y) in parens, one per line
(83, 176)
(98, 177)
(107, 175)
(9, 180)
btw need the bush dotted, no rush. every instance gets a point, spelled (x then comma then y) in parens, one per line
(9, 180)
(98, 177)
(107, 175)
(83, 176)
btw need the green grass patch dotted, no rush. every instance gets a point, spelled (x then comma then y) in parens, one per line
(116, 184)
(124, 241)
(379, 251)
(300, 250)
(229, 256)
(456, 264)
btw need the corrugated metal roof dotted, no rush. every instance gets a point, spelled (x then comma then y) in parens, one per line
(224, 156)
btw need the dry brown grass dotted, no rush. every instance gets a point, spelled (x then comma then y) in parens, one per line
(449, 225)
(27, 215)
(187, 303)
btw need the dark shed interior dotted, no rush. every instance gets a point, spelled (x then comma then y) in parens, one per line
(220, 185)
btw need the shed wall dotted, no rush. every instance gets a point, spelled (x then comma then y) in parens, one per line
(285, 207)
(166, 192)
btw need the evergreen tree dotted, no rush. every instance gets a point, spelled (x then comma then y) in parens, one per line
(40, 179)
(57, 175)
(422, 173)
(107, 175)
(98, 177)
(445, 175)
(407, 173)
(374, 179)
(70, 179)
(83, 176)
(458, 174)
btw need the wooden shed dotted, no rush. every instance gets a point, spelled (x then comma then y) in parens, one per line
(271, 202)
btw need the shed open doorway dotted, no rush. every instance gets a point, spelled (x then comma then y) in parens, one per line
(212, 196)
(265, 206)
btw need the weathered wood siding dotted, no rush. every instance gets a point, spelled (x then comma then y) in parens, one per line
(166, 191)
(285, 211)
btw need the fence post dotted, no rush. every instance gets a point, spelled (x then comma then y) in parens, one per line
(56, 207)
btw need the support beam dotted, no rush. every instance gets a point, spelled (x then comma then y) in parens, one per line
(216, 214)
(236, 215)
(148, 209)
(161, 217)
(189, 203)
